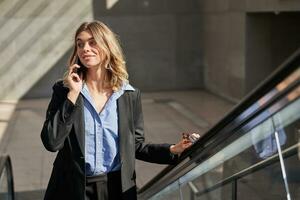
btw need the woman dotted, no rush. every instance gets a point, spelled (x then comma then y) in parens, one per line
(95, 122)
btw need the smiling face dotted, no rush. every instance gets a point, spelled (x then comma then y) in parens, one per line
(98, 48)
(87, 50)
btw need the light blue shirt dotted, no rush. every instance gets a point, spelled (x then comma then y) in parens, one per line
(101, 133)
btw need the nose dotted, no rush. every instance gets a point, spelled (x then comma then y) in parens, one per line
(86, 46)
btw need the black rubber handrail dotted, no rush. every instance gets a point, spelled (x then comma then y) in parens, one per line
(5, 163)
(289, 66)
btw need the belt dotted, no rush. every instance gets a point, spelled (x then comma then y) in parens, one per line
(103, 177)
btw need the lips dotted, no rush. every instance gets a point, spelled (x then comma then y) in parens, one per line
(87, 56)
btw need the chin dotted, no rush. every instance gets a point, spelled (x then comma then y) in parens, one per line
(91, 65)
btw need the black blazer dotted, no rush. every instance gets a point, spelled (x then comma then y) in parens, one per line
(63, 131)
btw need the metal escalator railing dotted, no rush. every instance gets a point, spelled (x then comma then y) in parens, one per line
(250, 154)
(6, 179)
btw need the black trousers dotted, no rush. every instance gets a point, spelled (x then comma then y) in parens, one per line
(104, 187)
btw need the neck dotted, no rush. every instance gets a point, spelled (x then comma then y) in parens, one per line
(97, 79)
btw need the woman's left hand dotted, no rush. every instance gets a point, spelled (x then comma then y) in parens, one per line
(186, 142)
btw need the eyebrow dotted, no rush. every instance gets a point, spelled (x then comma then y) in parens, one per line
(92, 38)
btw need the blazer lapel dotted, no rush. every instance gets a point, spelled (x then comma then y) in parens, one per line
(79, 125)
(123, 110)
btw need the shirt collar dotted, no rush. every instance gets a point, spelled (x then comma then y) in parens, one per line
(125, 87)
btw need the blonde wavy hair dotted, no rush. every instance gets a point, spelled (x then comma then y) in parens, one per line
(111, 51)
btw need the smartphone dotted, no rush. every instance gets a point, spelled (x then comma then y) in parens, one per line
(193, 139)
(82, 69)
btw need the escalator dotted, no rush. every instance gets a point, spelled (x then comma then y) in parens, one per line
(253, 153)
(6, 179)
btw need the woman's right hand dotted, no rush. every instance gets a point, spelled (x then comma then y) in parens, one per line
(74, 83)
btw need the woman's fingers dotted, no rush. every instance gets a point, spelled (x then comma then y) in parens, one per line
(75, 77)
(73, 69)
(74, 80)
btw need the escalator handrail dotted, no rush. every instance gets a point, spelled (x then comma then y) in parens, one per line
(285, 69)
(5, 163)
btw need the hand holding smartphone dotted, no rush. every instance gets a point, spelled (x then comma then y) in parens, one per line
(192, 137)
(187, 140)
(74, 81)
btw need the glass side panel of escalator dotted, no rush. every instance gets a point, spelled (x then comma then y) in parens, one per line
(257, 141)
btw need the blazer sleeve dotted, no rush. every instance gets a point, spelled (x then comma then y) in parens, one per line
(59, 119)
(154, 153)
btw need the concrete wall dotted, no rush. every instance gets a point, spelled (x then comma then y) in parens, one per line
(161, 40)
(244, 41)
(271, 5)
(271, 39)
(225, 46)
(43, 87)
(34, 34)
